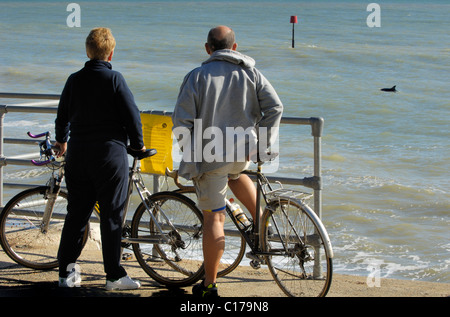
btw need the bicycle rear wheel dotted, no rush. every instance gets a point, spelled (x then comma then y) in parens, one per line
(300, 263)
(22, 237)
(180, 261)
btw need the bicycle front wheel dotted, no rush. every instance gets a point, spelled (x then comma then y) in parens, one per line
(22, 236)
(299, 261)
(178, 261)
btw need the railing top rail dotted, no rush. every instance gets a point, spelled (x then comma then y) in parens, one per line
(28, 96)
(315, 122)
(29, 108)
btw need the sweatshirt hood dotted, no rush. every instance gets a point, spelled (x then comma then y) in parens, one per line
(231, 56)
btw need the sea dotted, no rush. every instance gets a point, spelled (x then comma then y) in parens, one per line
(385, 155)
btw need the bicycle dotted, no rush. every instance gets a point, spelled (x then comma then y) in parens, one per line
(290, 239)
(31, 222)
(164, 233)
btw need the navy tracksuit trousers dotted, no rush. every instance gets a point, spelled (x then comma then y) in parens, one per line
(95, 172)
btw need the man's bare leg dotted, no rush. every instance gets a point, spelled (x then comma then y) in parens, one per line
(213, 243)
(244, 190)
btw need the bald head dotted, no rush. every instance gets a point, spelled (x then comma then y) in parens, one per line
(221, 37)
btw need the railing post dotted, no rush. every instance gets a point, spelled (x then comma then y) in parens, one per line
(317, 128)
(155, 183)
(2, 116)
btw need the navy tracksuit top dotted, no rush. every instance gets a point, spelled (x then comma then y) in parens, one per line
(96, 105)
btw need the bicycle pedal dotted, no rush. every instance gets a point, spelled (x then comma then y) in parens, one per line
(127, 256)
(255, 264)
(255, 258)
(154, 259)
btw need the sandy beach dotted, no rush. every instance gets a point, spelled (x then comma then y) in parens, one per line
(17, 281)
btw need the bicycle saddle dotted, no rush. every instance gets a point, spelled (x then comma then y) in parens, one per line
(139, 154)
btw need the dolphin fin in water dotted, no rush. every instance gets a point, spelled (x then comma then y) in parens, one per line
(389, 89)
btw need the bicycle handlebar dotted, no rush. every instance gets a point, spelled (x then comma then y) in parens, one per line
(41, 163)
(35, 136)
(174, 174)
(263, 157)
(46, 149)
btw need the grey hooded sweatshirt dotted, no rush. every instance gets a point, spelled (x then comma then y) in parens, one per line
(224, 113)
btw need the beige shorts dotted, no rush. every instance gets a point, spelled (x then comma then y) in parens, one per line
(211, 187)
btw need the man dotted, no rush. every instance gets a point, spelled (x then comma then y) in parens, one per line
(99, 111)
(226, 91)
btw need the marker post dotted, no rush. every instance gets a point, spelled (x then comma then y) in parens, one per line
(293, 21)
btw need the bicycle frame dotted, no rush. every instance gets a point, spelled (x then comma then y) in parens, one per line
(261, 184)
(47, 151)
(135, 180)
(55, 187)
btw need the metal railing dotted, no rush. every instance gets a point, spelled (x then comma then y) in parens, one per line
(50, 106)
